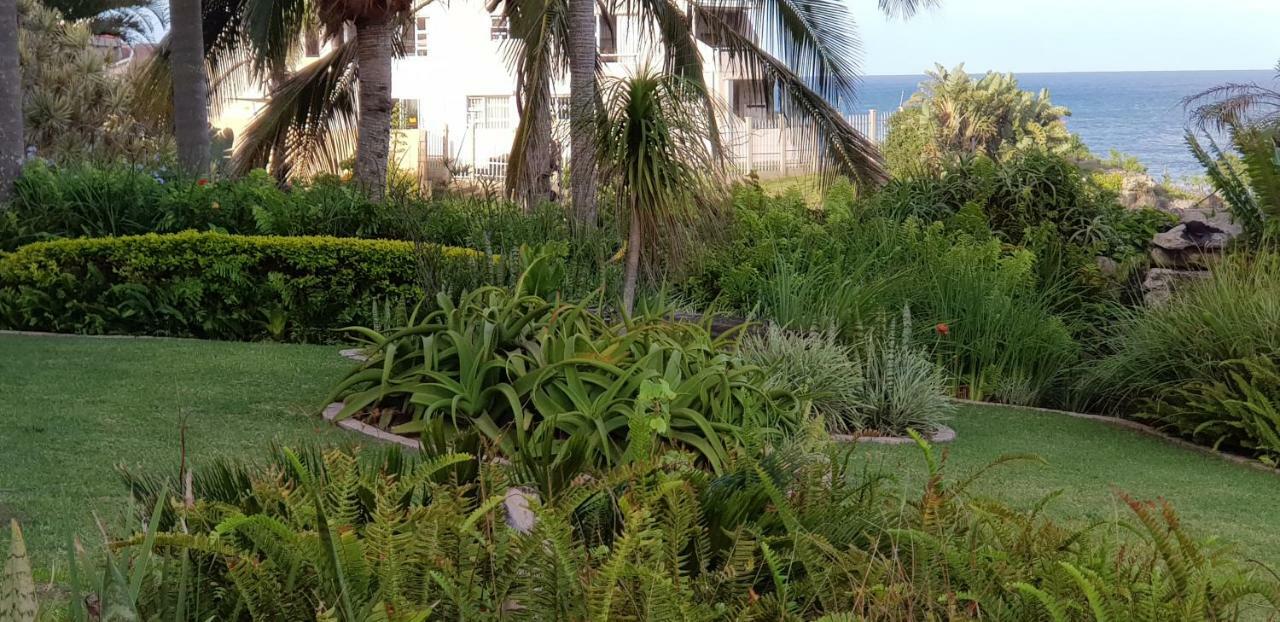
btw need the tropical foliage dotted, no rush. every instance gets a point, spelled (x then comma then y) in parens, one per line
(556, 388)
(794, 535)
(76, 109)
(955, 116)
(1203, 364)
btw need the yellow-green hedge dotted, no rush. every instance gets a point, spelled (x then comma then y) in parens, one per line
(214, 285)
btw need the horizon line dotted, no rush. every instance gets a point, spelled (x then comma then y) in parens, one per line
(1076, 71)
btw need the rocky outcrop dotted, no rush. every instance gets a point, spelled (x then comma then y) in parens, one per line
(1185, 253)
(1161, 283)
(1201, 235)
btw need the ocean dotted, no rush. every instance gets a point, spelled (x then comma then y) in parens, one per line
(1138, 113)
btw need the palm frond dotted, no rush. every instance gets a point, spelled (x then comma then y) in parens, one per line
(823, 132)
(1226, 105)
(535, 52)
(313, 111)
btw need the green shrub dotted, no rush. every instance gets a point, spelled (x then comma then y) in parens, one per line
(215, 285)
(1186, 363)
(556, 388)
(814, 366)
(794, 535)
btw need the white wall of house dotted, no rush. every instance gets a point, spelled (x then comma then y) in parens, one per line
(455, 93)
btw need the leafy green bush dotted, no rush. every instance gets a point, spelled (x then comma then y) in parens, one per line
(215, 285)
(1189, 362)
(795, 535)
(954, 116)
(556, 387)
(814, 366)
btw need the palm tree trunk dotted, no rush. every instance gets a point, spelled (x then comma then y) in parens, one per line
(373, 66)
(582, 110)
(11, 143)
(190, 86)
(632, 275)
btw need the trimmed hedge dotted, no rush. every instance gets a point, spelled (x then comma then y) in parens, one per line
(214, 285)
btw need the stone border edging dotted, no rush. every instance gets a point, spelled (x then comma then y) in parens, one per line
(331, 412)
(1140, 428)
(942, 435)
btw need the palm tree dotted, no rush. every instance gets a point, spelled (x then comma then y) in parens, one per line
(539, 36)
(1249, 115)
(1235, 104)
(806, 50)
(654, 149)
(583, 63)
(190, 86)
(12, 148)
(313, 113)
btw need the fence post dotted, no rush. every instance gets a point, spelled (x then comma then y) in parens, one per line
(782, 148)
(873, 127)
(475, 164)
(751, 147)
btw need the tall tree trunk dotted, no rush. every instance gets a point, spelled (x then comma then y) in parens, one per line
(12, 147)
(373, 66)
(531, 172)
(631, 276)
(190, 86)
(582, 110)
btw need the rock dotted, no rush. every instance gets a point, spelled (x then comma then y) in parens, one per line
(1202, 235)
(1139, 190)
(1161, 283)
(519, 516)
(1107, 265)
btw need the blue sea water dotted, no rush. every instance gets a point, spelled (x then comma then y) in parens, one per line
(1138, 113)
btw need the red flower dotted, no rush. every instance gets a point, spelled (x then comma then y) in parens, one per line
(202, 182)
(942, 329)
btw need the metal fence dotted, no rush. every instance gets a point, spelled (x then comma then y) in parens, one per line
(768, 147)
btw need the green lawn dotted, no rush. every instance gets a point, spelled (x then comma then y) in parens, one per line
(1091, 462)
(73, 408)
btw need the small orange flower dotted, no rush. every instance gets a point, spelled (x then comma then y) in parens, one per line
(202, 182)
(942, 329)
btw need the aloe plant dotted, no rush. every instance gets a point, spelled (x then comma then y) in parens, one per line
(539, 378)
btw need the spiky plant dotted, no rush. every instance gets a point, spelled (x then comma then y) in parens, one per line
(75, 109)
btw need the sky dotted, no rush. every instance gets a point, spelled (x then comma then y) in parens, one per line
(1072, 35)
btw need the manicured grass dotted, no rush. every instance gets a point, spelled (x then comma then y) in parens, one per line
(72, 408)
(1091, 463)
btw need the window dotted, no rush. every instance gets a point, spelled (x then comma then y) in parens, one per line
(415, 37)
(404, 114)
(607, 34)
(710, 29)
(499, 28)
(753, 98)
(489, 112)
(561, 108)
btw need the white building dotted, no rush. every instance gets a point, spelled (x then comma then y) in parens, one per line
(455, 93)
